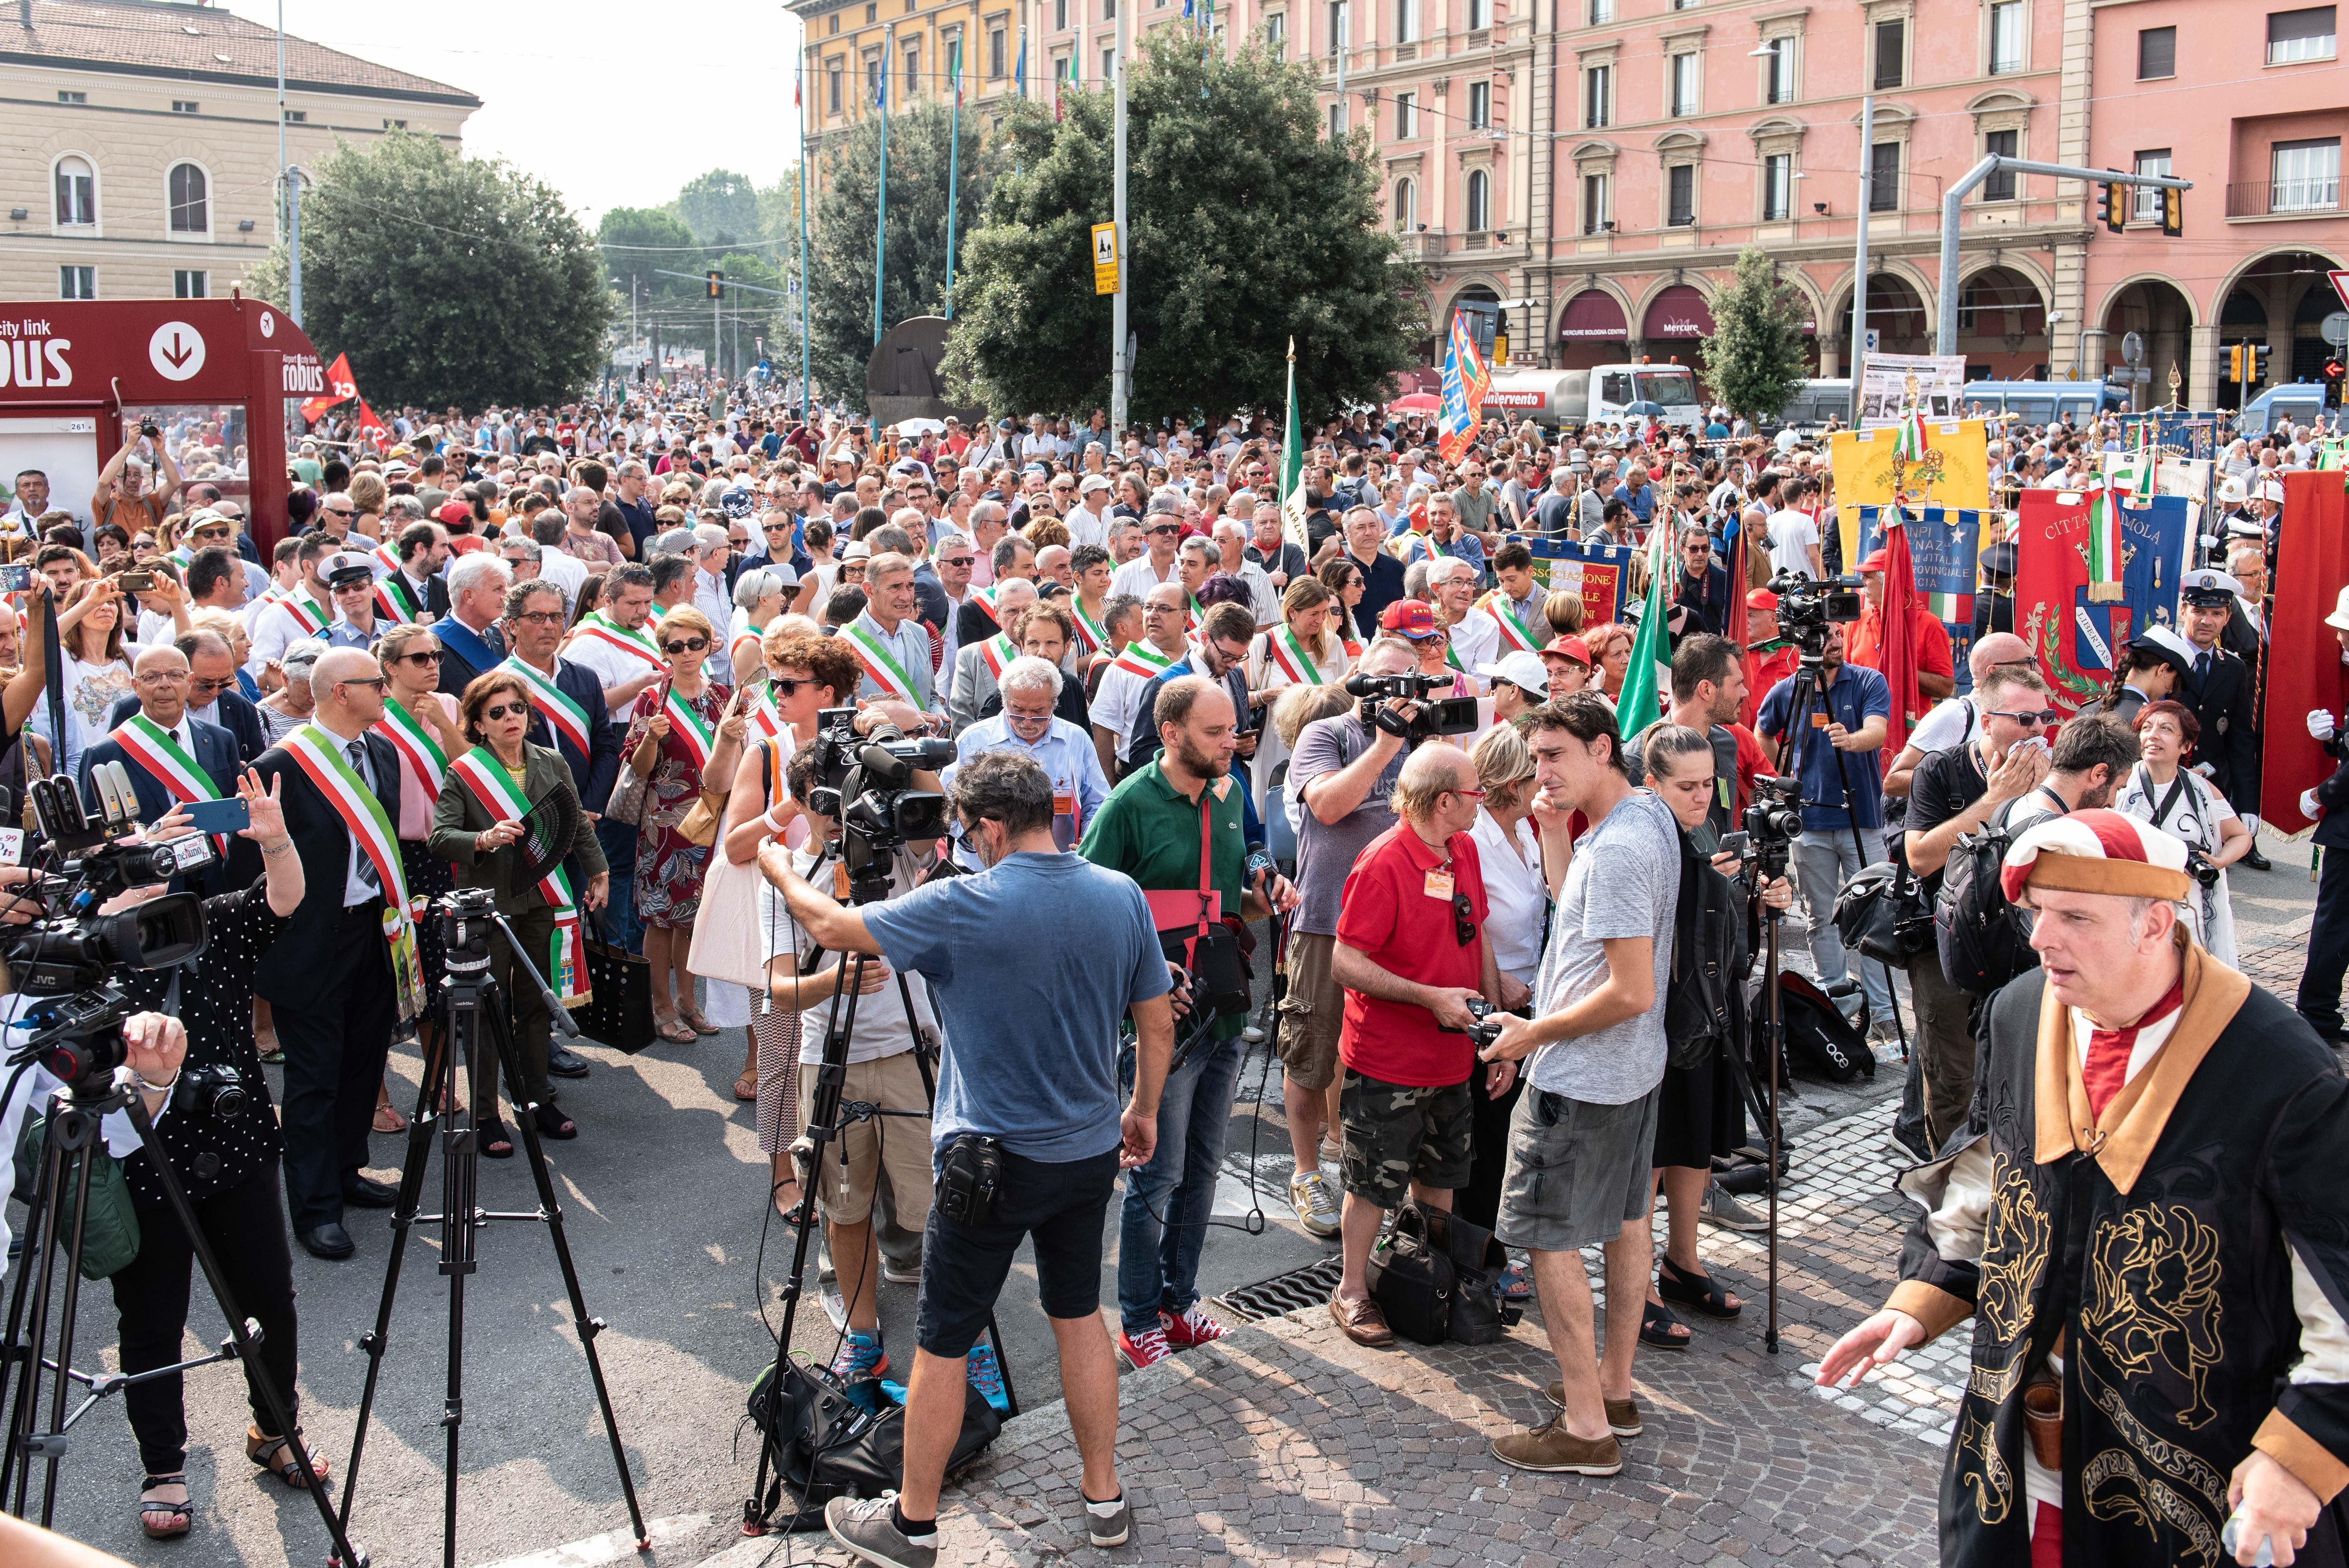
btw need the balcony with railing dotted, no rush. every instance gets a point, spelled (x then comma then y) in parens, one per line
(2308, 198)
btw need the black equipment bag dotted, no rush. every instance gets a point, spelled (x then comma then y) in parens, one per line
(1984, 940)
(1709, 953)
(1412, 1278)
(620, 1012)
(1818, 1036)
(1882, 912)
(826, 1443)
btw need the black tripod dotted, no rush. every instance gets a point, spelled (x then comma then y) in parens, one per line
(828, 1120)
(474, 1002)
(71, 1132)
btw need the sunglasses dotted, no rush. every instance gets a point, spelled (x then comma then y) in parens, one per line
(686, 646)
(368, 681)
(1464, 918)
(505, 710)
(789, 685)
(956, 560)
(341, 511)
(424, 656)
(2042, 718)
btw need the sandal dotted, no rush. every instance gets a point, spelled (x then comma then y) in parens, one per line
(1656, 1326)
(1699, 1291)
(746, 1088)
(692, 1019)
(676, 1030)
(151, 1509)
(495, 1144)
(552, 1123)
(387, 1118)
(285, 1467)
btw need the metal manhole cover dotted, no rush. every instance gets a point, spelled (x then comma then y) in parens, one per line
(1285, 1293)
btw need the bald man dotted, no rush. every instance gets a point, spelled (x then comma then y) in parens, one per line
(169, 754)
(1958, 719)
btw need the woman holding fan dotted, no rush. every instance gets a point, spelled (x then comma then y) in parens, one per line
(685, 738)
(420, 722)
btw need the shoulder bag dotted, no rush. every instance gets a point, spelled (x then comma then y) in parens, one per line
(619, 1013)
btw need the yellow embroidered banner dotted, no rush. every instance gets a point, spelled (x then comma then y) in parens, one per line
(1954, 473)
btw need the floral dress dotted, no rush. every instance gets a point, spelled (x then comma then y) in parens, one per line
(669, 867)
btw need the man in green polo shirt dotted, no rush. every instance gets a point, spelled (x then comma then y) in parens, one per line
(1151, 829)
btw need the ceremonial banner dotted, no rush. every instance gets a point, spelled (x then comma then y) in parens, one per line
(2077, 641)
(1870, 471)
(2181, 434)
(1599, 572)
(2304, 671)
(1945, 545)
(1465, 380)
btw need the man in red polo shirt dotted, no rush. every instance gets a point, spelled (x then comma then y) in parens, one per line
(1411, 953)
(1863, 643)
(1762, 670)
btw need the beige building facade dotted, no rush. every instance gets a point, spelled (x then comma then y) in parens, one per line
(142, 158)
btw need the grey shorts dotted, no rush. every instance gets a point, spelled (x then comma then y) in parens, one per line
(1577, 1170)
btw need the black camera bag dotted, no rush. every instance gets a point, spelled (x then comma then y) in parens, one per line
(827, 1440)
(1413, 1279)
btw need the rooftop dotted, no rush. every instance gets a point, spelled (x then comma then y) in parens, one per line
(194, 43)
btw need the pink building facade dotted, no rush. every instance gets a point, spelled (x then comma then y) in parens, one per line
(2248, 101)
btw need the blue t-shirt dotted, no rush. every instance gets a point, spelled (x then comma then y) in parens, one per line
(1858, 695)
(1056, 950)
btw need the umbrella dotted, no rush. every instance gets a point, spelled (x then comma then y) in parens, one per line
(920, 427)
(1416, 403)
(1646, 410)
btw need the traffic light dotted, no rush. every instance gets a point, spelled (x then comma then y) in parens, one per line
(2333, 368)
(2173, 212)
(2235, 362)
(2116, 207)
(2258, 353)
(714, 277)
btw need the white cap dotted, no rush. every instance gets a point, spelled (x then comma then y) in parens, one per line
(1521, 669)
(2272, 490)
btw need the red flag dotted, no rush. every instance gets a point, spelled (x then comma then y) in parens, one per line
(340, 389)
(371, 429)
(1901, 650)
(2304, 659)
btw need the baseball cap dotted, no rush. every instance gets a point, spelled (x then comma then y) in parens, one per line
(1760, 599)
(1520, 669)
(1568, 647)
(1877, 559)
(1093, 483)
(1411, 618)
(454, 512)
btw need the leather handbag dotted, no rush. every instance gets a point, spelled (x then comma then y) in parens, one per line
(620, 1012)
(699, 824)
(1413, 1279)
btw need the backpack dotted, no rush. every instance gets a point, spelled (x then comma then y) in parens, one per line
(1709, 960)
(1984, 940)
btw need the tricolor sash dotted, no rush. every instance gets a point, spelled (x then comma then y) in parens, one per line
(1141, 659)
(1514, 638)
(879, 662)
(1301, 667)
(1096, 639)
(1194, 613)
(419, 749)
(698, 738)
(604, 629)
(985, 597)
(765, 722)
(486, 780)
(318, 752)
(395, 600)
(996, 652)
(562, 716)
(305, 611)
(150, 745)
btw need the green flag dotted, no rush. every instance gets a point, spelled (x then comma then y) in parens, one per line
(1292, 469)
(1648, 675)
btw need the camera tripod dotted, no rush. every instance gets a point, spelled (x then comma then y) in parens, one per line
(71, 1130)
(474, 1004)
(829, 1117)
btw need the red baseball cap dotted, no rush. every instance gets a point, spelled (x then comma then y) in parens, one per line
(1877, 559)
(1569, 647)
(1760, 599)
(453, 513)
(1413, 618)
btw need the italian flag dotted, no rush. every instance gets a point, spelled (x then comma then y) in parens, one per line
(1141, 659)
(2104, 536)
(1292, 469)
(1648, 676)
(1957, 609)
(1910, 441)
(562, 716)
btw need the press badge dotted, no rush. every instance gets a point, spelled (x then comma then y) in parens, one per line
(1439, 885)
(12, 846)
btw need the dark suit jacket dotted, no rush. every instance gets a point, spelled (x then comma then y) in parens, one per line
(2240, 638)
(459, 818)
(238, 715)
(457, 672)
(216, 753)
(594, 771)
(435, 595)
(973, 624)
(2229, 739)
(291, 971)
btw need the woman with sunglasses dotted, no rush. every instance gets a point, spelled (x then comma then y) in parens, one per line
(2163, 790)
(411, 657)
(1345, 581)
(497, 771)
(685, 738)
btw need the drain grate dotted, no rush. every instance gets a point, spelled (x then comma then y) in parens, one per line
(1285, 1293)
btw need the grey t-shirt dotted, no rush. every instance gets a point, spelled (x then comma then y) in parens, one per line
(1624, 880)
(1325, 854)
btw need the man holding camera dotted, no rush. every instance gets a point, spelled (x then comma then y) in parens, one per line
(1155, 829)
(1027, 1129)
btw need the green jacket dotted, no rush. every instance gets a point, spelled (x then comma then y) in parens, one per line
(459, 819)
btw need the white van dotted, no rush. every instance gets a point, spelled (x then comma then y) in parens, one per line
(1558, 398)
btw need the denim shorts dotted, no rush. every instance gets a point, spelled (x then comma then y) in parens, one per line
(1577, 1170)
(1062, 1205)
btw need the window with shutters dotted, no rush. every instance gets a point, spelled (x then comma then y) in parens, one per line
(1276, 34)
(1595, 212)
(2148, 199)
(1777, 187)
(77, 194)
(190, 194)
(1679, 211)
(1479, 202)
(1599, 97)
(1406, 115)
(2157, 53)
(1892, 53)
(2296, 36)
(1884, 177)
(997, 53)
(1683, 84)
(1480, 106)
(1999, 185)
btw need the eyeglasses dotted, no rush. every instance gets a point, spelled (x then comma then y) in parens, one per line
(686, 646)
(956, 560)
(421, 657)
(368, 681)
(212, 686)
(2042, 718)
(1164, 528)
(505, 710)
(540, 618)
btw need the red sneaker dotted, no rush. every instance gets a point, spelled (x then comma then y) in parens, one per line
(1193, 1327)
(1143, 1349)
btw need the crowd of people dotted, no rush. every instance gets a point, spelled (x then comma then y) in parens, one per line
(650, 614)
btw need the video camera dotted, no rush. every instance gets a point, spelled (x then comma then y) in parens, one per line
(863, 787)
(1436, 715)
(1807, 607)
(1773, 821)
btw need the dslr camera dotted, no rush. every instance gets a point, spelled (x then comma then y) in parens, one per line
(865, 789)
(1807, 607)
(1436, 715)
(1773, 821)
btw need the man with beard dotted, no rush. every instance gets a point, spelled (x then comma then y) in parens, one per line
(1151, 829)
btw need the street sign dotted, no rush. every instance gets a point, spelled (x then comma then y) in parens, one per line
(2132, 348)
(2340, 285)
(1105, 258)
(1871, 338)
(2337, 328)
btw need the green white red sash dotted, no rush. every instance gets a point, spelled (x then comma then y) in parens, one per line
(1194, 613)
(1141, 659)
(1091, 630)
(602, 628)
(2104, 536)
(385, 558)
(318, 752)
(765, 721)
(394, 601)
(1514, 638)
(879, 662)
(150, 745)
(685, 725)
(1301, 667)
(486, 780)
(996, 652)
(986, 597)
(562, 716)
(419, 751)
(305, 611)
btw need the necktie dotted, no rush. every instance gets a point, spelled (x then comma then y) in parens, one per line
(367, 862)
(2106, 1069)
(2202, 667)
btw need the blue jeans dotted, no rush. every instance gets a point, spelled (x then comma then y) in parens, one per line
(1825, 860)
(1158, 1266)
(618, 916)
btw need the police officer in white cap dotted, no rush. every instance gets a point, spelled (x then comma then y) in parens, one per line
(2217, 685)
(350, 581)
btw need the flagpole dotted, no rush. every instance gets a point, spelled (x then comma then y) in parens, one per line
(954, 185)
(807, 386)
(881, 196)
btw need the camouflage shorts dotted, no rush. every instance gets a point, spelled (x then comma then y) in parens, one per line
(1396, 1134)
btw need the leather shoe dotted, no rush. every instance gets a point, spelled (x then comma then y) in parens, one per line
(2257, 862)
(1361, 1321)
(329, 1240)
(565, 1063)
(360, 1192)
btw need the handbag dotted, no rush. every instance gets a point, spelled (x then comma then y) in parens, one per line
(1478, 1261)
(1884, 913)
(619, 1013)
(699, 824)
(109, 1232)
(1413, 1279)
(627, 802)
(726, 934)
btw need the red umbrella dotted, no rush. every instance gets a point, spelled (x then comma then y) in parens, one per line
(1416, 403)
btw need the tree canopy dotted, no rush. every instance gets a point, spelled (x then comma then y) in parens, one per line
(447, 279)
(1754, 359)
(1248, 225)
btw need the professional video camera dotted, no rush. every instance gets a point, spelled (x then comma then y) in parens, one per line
(863, 787)
(1773, 821)
(1807, 607)
(70, 954)
(1436, 715)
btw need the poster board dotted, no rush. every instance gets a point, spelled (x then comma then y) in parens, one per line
(62, 445)
(1884, 386)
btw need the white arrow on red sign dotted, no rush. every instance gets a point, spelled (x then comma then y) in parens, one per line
(2341, 286)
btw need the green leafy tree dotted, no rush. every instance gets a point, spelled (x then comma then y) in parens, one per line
(642, 246)
(1754, 360)
(1248, 225)
(720, 207)
(840, 250)
(447, 279)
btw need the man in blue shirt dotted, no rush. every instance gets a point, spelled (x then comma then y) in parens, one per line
(1839, 748)
(1637, 493)
(1032, 964)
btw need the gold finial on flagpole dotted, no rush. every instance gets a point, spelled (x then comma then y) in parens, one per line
(1292, 348)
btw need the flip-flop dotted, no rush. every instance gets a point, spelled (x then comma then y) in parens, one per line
(751, 1092)
(389, 1119)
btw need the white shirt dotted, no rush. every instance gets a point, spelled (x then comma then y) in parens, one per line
(611, 667)
(1115, 703)
(881, 1030)
(1516, 895)
(274, 627)
(565, 573)
(1138, 577)
(1792, 536)
(1953, 721)
(1086, 526)
(710, 597)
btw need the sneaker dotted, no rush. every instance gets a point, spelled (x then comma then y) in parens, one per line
(1884, 1035)
(860, 1356)
(986, 1377)
(834, 1307)
(1316, 1206)
(864, 1527)
(895, 1275)
(1146, 1348)
(1252, 1035)
(1193, 1327)
(1110, 1530)
(1723, 1210)
(1548, 1448)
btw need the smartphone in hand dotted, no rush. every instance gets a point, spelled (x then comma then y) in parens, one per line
(218, 816)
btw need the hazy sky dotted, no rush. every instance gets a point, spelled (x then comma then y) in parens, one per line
(614, 105)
